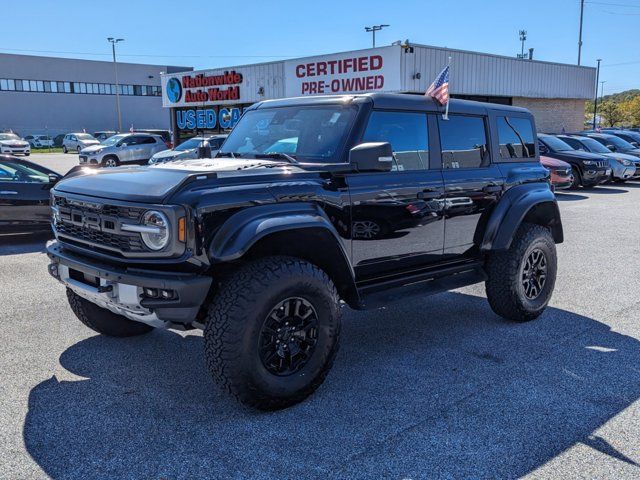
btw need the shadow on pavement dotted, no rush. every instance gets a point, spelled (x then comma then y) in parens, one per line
(437, 387)
(28, 243)
(606, 190)
(569, 197)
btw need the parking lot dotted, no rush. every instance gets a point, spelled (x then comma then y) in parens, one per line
(438, 387)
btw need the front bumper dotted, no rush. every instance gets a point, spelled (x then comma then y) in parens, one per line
(123, 290)
(16, 150)
(596, 175)
(622, 172)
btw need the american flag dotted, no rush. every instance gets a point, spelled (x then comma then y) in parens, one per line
(439, 89)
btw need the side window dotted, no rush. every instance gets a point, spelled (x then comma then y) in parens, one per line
(15, 172)
(133, 140)
(407, 134)
(464, 142)
(515, 136)
(575, 144)
(147, 140)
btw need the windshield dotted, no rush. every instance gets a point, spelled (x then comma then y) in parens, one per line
(9, 136)
(189, 144)
(618, 142)
(308, 133)
(594, 146)
(113, 140)
(84, 136)
(556, 144)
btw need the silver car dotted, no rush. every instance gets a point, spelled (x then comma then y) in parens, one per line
(74, 142)
(623, 166)
(126, 148)
(188, 150)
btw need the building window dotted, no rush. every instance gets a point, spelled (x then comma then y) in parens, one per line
(4, 84)
(33, 85)
(47, 86)
(19, 85)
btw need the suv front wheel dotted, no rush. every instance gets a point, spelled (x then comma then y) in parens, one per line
(272, 330)
(521, 279)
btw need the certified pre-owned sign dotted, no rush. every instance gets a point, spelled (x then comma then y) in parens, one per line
(350, 72)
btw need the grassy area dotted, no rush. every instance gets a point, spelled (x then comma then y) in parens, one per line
(46, 150)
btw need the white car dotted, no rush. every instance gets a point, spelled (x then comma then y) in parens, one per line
(14, 145)
(39, 141)
(188, 150)
(77, 141)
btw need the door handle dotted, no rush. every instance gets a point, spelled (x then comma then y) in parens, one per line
(8, 192)
(492, 188)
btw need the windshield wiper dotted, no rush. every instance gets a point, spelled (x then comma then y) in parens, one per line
(228, 154)
(279, 155)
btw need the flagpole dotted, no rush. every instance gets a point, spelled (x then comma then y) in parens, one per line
(446, 110)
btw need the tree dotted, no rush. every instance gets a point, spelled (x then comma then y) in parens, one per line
(612, 113)
(632, 110)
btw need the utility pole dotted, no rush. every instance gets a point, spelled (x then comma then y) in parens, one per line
(113, 42)
(373, 29)
(602, 82)
(595, 102)
(580, 34)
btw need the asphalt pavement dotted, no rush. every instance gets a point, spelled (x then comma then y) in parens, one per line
(438, 387)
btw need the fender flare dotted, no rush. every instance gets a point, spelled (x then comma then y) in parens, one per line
(513, 208)
(245, 228)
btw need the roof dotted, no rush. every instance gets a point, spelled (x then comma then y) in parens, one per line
(394, 100)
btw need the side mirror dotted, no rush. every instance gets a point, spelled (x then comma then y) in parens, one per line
(543, 149)
(635, 144)
(204, 150)
(53, 178)
(371, 156)
(612, 148)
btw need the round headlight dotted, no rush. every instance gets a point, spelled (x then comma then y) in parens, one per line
(157, 235)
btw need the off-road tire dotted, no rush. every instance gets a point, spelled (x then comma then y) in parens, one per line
(103, 321)
(504, 285)
(235, 320)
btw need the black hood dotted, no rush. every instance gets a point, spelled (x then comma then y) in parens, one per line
(155, 183)
(575, 155)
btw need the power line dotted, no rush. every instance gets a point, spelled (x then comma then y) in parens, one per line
(614, 4)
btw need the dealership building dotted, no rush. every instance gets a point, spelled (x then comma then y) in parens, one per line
(48, 95)
(60, 95)
(211, 101)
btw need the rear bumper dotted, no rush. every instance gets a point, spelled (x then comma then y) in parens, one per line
(124, 291)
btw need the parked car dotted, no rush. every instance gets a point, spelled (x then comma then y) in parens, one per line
(628, 136)
(613, 143)
(623, 166)
(77, 141)
(561, 172)
(188, 149)
(14, 145)
(25, 189)
(122, 149)
(588, 169)
(39, 141)
(165, 134)
(103, 134)
(258, 248)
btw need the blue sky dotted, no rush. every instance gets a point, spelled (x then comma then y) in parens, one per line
(213, 33)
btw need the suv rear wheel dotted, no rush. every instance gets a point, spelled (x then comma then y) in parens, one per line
(521, 279)
(272, 331)
(103, 321)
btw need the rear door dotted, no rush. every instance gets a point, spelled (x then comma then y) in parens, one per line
(473, 184)
(24, 197)
(397, 216)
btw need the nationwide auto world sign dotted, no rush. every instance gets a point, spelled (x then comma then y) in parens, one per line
(202, 88)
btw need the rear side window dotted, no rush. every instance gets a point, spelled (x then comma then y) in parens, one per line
(407, 134)
(464, 142)
(146, 140)
(515, 136)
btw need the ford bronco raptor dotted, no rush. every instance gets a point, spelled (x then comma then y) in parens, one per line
(310, 203)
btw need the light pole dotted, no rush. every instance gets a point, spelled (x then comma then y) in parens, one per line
(113, 42)
(373, 29)
(580, 34)
(602, 82)
(595, 102)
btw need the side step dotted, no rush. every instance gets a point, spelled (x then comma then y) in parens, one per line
(381, 294)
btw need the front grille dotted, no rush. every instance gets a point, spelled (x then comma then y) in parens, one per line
(602, 163)
(98, 224)
(83, 158)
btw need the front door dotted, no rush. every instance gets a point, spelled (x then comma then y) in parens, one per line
(397, 217)
(472, 183)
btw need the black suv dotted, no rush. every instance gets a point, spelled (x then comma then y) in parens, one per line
(310, 202)
(589, 169)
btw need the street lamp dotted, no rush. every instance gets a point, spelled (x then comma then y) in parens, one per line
(595, 102)
(373, 29)
(113, 42)
(602, 82)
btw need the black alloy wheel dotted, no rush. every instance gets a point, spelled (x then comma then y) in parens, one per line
(534, 274)
(289, 336)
